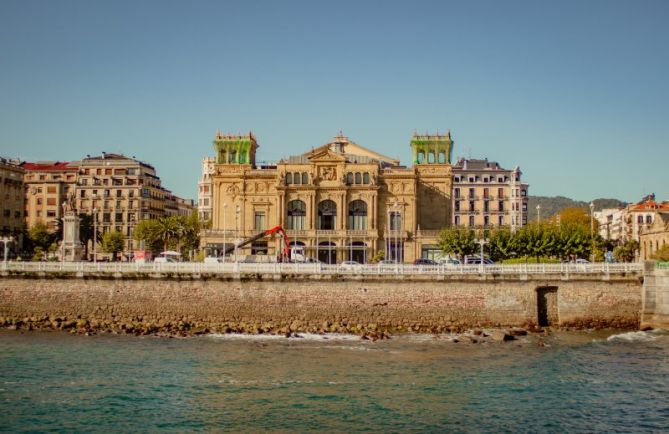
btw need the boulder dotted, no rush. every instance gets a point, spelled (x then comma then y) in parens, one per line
(501, 336)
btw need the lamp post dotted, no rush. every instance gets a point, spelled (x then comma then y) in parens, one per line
(482, 242)
(397, 226)
(6, 241)
(538, 213)
(225, 209)
(237, 211)
(592, 227)
(95, 229)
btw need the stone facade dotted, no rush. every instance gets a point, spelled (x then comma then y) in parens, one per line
(655, 236)
(340, 201)
(486, 196)
(205, 188)
(48, 184)
(655, 300)
(326, 304)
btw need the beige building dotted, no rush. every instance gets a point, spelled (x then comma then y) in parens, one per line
(485, 195)
(12, 208)
(341, 201)
(48, 184)
(639, 217)
(655, 236)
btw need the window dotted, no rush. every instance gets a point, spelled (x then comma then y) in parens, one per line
(118, 193)
(501, 220)
(297, 212)
(289, 178)
(365, 178)
(358, 178)
(457, 205)
(106, 217)
(305, 178)
(51, 201)
(108, 171)
(471, 193)
(106, 193)
(349, 178)
(357, 215)
(471, 179)
(327, 215)
(523, 193)
(471, 220)
(259, 221)
(82, 193)
(486, 206)
(486, 194)
(457, 220)
(118, 217)
(500, 205)
(456, 193)
(472, 205)
(395, 221)
(84, 181)
(39, 201)
(649, 219)
(51, 213)
(51, 189)
(500, 193)
(296, 178)
(486, 220)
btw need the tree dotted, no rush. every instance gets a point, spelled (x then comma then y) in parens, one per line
(500, 245)
(41, 237)
(662, 254)
(626, 252)
(147, 231)
(86, 231)
(457, 240)
(113, 242)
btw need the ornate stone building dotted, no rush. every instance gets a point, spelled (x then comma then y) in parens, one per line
(340, 200)
(655, 236)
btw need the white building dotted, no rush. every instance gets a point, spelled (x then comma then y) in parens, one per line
(204, 192)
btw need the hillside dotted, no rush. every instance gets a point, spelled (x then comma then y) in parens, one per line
(553, 205)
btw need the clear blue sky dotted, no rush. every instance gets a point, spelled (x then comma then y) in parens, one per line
(576, 93)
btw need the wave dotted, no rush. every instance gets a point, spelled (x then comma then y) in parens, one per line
(639, 336)
(297, 336)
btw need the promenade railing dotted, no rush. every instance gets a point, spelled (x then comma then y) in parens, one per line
(317, 268)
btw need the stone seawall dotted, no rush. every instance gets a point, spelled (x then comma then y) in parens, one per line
(293, 304)
(655, 311)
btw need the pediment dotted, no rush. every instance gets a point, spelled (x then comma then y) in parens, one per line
(325, 155)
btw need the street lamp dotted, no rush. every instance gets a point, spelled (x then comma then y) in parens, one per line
(482, 242)
(538, 213)
(95, 230)
(5, 241)
(397, 226)
(237, 211)
(225, 209)
(592, 227)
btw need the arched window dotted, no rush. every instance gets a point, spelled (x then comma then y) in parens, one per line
(297, 212)
(357, 215)
(232, 156)
(327, 252)
(305, 178)
(430, 157)
(296, 177)
(421, 157)
(349, 178)
(442, 157)
(365, 178)
(327, 215)
(358, 178)
(289, 178)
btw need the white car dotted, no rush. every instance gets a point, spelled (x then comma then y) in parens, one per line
(350, 266)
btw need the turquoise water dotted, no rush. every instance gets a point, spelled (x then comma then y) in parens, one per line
(579, 382)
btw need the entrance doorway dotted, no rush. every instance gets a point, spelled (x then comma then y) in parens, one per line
(327, 252)
(547, 306)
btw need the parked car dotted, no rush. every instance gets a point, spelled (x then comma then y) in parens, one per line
(212, 260)
(349, 265)
(165, 260)
(448, 261)
(424, 261)
(477, 260)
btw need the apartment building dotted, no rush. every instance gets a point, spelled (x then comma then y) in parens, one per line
(48, 184)
(485, 195)
(11, 203)
(205, 189)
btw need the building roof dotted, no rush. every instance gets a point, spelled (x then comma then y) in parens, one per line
(648, 203)
(477, 164)
(351, 151)
(49, 166)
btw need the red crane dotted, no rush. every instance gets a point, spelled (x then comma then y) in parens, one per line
(267, 233)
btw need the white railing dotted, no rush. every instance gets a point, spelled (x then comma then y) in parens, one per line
(317, 269)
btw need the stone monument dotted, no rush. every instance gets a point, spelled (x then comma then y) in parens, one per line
(71, 248)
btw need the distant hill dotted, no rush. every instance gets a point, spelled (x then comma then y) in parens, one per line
(553, 205)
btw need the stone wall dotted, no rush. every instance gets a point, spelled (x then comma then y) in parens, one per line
(655, 299)
(306, 304)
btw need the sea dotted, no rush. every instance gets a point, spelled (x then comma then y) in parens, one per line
(564, 382)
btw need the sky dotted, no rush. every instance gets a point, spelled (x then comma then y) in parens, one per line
(575, 93)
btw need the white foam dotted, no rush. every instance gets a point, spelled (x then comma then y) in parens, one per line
(295, 337)
(633, 337)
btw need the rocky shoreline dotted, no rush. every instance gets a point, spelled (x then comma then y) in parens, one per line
(185, 328)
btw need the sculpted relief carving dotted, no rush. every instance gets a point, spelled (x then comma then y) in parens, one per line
(233, 190)
(328, 173)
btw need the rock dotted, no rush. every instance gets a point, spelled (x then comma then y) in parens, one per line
(469, 339)
(82, 323)
(501, 336)
(517, 331)
(645, 328)
(477, 332)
